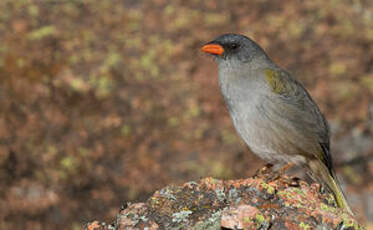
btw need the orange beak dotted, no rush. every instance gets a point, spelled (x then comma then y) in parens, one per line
(213, 49)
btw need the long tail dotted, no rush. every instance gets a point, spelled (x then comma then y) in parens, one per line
(329, 179)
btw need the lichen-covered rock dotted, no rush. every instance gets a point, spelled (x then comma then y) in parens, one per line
(261, 202)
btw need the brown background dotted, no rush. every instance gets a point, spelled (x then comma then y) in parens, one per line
(103, 102)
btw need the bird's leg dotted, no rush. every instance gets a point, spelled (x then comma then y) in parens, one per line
(283, 170)
(268, 166)
(294, 182)
(264, 170)
(279, 173)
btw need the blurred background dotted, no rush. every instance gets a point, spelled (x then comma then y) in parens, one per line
(103, 102)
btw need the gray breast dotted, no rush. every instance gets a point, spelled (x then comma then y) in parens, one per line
(270, 136)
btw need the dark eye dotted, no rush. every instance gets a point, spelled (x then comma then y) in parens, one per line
(234, 46)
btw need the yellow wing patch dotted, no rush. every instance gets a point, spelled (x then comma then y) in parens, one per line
(276, 81)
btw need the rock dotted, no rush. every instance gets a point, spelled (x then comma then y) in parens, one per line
(260, 202)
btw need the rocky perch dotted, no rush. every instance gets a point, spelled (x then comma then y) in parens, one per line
(262, 202)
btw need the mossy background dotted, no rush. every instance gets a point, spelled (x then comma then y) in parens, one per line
(103, 101)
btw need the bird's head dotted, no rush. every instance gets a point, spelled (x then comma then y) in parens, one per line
(234, 49)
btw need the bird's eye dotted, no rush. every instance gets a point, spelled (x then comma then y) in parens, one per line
(234, 46)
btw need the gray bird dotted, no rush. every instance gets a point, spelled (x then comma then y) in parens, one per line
(272, 112)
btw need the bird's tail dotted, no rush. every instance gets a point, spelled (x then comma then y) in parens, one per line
(329, 179)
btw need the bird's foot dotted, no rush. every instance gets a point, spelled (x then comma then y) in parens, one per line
(294, 182)
(283, 170)
(269, 175)
(264, 171)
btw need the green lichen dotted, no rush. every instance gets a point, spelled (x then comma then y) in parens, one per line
(298, 191)
(261, 221)
(246, 220)
(284, 194)
(211, 223)
(288, 196)
(220, 195)
(331, 200)
(327, 208)
(181, 216)
(304, 226)
(259, 218)
(167, 193)
(349, 223)
(269, 189)
(154, 202)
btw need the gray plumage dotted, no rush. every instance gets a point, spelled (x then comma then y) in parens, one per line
(272, 112)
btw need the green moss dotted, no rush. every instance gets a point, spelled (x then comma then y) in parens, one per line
(69, 163)
(183, 18)
(337, 68)
(33, 10)
(229, 137)
(218, 169)
(42, 32)
(215, 19)
(367, 81)
(83, 151)
(169, 9)
(125, 130)
(76, 226)
(77, 84)
(173, 121)
(112, 59)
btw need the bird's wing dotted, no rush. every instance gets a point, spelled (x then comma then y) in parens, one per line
(297, 106)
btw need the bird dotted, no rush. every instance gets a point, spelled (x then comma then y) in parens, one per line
(272, 112)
